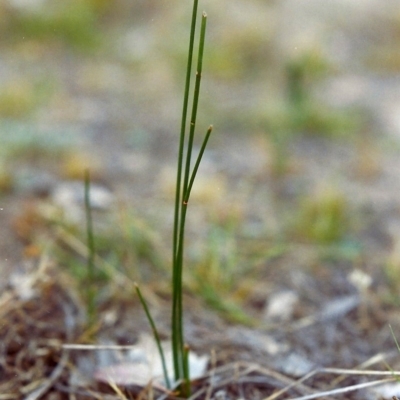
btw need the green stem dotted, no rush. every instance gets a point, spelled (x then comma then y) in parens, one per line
(175, 337)
(177, 317)
(155, 334)
(197, 164)
(183, 125)
(195, 103)
(178, 281)
(91, 252)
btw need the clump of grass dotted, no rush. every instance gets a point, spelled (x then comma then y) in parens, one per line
(72, 23)
(242, 52)
(214, 275)
(186, 174)
(307, 115)
(300, 113)
(125, 244)
(301, 72)
(21, 98)
(391, 270)
(6, 179)
(323, 218)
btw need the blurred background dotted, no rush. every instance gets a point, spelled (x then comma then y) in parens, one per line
(302, 169)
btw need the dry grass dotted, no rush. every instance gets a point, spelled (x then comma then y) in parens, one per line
(41, 316)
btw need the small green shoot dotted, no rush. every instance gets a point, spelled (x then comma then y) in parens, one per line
(90, 290)
(183, 189)
(155, 334)
(387, 365)
(184, 183)
(394, 338)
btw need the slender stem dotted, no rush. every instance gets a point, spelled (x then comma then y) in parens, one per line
(176, 351)
(177, 318)
(178, 323)
(195, 102)
(186, 371)
(155, 334)
(197, 164)
(183, 124)
(91, 251)
(394, 337)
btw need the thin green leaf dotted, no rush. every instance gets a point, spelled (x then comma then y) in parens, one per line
(155, 334)
(91, 252)
(197, 164)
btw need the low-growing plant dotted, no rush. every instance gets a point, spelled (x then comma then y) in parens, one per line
(91, 274)
(323, 217)
(186, 174)
(298, 112)
(125, 244)
(72, 23)
(21, 98)
(215, 273)
(391, 271)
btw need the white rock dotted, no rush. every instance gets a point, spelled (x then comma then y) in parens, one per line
(70, 197)
(142, 364)
(280, 306)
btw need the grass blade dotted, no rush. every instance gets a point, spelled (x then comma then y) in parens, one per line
(91, 253)
(197, 164)
(394, 338)
(155, 334)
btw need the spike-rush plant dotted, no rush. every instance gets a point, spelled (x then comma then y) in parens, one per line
(184, 183)
(182, 195)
